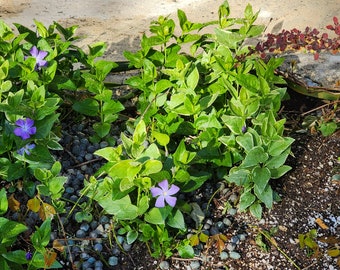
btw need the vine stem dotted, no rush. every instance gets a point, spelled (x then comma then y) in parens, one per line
(273, 242)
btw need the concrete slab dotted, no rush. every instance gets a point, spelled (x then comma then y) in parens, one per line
(121, 23)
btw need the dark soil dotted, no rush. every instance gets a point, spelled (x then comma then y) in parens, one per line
(309, 195)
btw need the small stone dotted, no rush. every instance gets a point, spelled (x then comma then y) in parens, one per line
(88, 156)
(113, 261)
(103, 144)
(104, 219)
(98, 247)
(126, 246)
(195, 265)
(213, 230)
(231, 246)
(227, 222)
(242, 236)
(234, 255)
(84, 256)
(219, 225)
(232, 211)
(100, 229)
(235, 239)
(91, 260)
(80, 234)
(224, 255)
(85, 227)
(206, 226)
(164, 265)
(233, 198)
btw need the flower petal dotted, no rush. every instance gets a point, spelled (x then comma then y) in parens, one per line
(32, 130)
(160, 202)
(41, 55)
(29, 122)
(34, 51)
(173, 190)
(155, 191)
(171, 200)
(20, 122)
(164, 185)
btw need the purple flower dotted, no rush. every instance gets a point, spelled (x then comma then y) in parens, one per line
(39, 57)
(244, 128)
(164, 194)
(26, 149)
(29, 256)
(25, 128)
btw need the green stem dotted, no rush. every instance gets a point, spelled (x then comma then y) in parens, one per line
(279, 249)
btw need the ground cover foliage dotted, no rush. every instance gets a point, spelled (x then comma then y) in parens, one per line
(207, 114)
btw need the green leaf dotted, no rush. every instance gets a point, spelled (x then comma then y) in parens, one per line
(234, 123)
(162, 138)
(265, 196)
(278, 172)
(3, 263)
(246, 200)
(255, 156)
(3, 202)
(256, 210)
(143, 205)
(83, 216)
(328, 128)
(162, 85)
(102, 129)
(261, 177)
(156, 216)
(176, 221)
(151, 167)
(238, 176)
(17, 256)
(139, 134)
(41, 237)
(9, 230)
(131, 236)
(186, 251)
(246, 141)
(182, 156)
(111, 154)
(278, 146)
(192, 79)
(87, 106)
(275, 162)
(122, 209)
(229, 38)
(127, 168)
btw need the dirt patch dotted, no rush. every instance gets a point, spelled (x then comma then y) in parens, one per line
(12, 7)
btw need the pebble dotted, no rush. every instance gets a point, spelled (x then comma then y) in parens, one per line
(233, 198)
(85, 227)
(227, 222)
(232, 211)
(113, 261)
(195, 265)
(98, 247)
(80, 233)
(234, 255)
(231, 246)
(164, 265)
(224, 255)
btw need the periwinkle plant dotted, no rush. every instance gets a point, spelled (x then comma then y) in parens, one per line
(204, 114)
